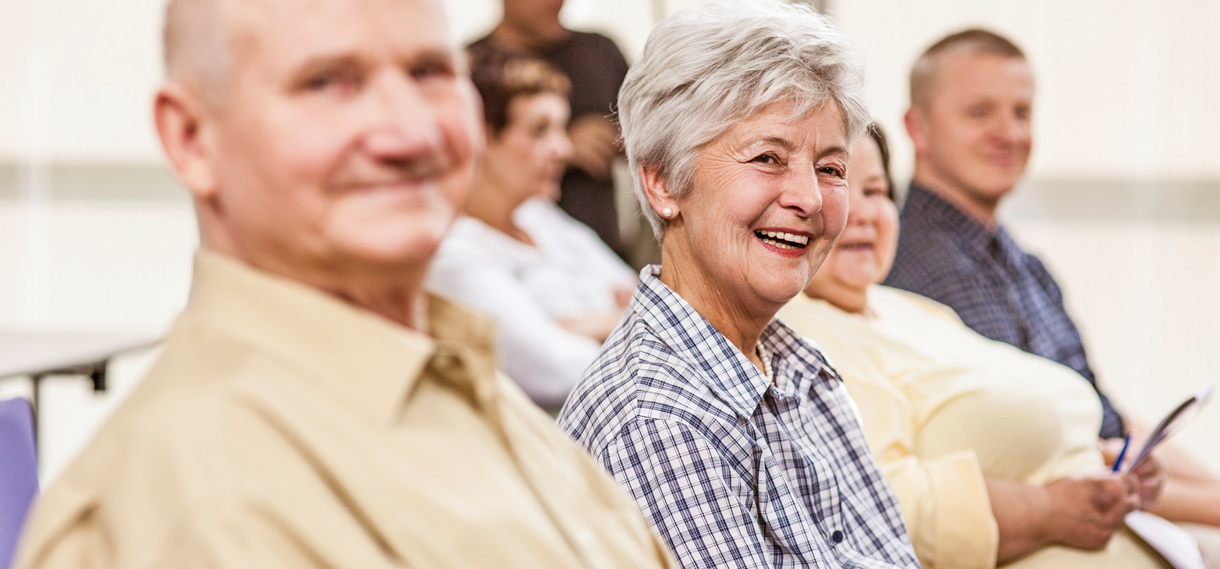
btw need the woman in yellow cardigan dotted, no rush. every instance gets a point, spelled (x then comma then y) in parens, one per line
(992, 452)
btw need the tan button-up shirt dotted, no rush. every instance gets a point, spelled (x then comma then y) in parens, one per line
(282, 427)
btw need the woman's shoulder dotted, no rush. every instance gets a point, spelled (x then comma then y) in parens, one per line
(636, 377)
(552, 226)
(890, 301)
(471, 240)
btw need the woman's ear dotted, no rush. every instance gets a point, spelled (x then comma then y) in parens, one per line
(657, 192)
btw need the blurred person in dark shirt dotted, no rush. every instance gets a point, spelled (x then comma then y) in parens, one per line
(596, 68)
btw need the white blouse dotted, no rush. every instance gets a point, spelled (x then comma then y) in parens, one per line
(568, 273)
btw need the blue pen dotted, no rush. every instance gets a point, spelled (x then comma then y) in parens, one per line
(1118, 462)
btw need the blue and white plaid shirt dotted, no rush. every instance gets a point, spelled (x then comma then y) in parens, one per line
(731, 469)
(996, 288)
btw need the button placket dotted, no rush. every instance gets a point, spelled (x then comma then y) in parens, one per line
(829, 517)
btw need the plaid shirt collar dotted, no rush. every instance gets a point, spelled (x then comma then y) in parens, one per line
(995, 243)
(726, 371)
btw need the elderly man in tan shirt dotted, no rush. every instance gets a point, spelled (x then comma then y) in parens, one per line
(313, 407)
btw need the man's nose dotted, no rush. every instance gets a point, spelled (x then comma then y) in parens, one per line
(1012, 128)
(403, 122)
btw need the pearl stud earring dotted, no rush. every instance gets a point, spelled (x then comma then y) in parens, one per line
(667, 212)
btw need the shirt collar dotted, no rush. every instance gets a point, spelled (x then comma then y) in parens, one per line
(370, 361)
(725, 370)
(926, 205)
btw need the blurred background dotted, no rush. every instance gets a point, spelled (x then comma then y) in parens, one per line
(1122, 199)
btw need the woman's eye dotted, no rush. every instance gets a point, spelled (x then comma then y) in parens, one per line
(833, 171)
(765, 159)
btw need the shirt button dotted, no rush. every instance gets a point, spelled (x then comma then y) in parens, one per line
(837, 536)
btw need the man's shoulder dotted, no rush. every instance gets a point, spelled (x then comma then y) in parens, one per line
(170, 453)
(928, 254)
(584, 47)
(593, 40)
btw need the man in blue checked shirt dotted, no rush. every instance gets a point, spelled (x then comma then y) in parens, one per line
(733, 434)
(971, 104)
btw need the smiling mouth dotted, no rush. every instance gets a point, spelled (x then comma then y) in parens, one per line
(782, 240)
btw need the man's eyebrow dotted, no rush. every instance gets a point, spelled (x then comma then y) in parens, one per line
(345, 60)
(435, 56)
(328, 62)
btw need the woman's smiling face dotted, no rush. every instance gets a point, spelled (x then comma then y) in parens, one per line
(768, 198)
(865, 251)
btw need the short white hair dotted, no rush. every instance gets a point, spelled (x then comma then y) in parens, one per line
(195, 46)
(702, 70)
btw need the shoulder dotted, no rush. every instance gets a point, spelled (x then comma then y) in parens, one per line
(930, 260)
(596, 40)
(471, 245)
(1041, 274)
(179, 447)
(893, 299)
(636, 377)
(544, 215)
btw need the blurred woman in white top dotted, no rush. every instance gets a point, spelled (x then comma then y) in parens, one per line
(555, 290)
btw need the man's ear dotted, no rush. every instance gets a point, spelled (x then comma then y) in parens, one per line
(185, 131)
(916, 122)
(657, 192)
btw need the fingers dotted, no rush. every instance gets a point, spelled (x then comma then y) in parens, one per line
(592, 163)
(1109, 449)
(1149, 479)
(1126, 499)
(1089, 510)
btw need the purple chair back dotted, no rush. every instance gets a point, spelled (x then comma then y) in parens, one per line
(18, 472)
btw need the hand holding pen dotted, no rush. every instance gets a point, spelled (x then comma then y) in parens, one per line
(1147, 477)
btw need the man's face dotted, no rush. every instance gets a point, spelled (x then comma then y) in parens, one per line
(974, 129)
(346, 141)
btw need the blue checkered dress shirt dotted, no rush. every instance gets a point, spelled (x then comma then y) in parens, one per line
(732, 470)
(996, 288)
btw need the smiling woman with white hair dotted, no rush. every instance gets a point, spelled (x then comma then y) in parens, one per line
(733, 434)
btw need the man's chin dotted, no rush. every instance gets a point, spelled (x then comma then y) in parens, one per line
(389, 254)
(994, 188)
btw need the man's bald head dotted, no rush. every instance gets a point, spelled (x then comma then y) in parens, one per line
(973, 41)
(343, 144)
(197, 50)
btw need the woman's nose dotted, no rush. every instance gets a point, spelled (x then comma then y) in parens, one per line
(860, 210)
(802, 193)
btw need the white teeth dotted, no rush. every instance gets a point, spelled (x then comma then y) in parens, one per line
(782, 237)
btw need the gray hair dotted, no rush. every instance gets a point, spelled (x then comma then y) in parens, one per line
(703, 70)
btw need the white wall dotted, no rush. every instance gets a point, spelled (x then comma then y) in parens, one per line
(1127, 89)
(1124, 87)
